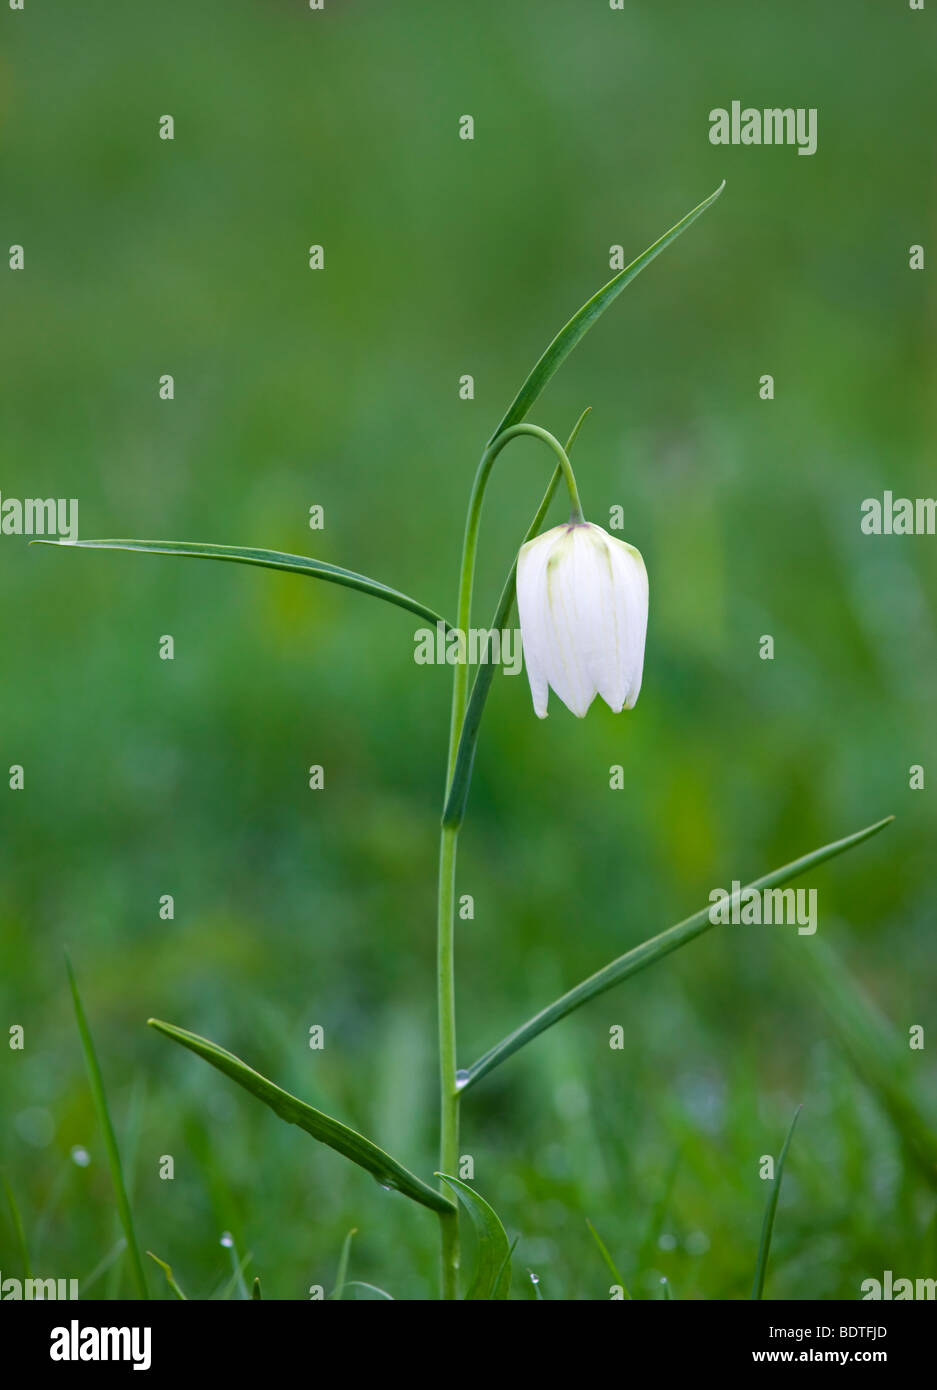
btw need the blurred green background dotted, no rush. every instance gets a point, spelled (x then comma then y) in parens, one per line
(340, 388)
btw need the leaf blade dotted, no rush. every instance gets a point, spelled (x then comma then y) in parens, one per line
(266, 559)
(18, 1231)
(880, 1060)
(767, 1227)
(332, 1133)
(170, 1279)
(648, 953)
(492, 1277)
(372, 1288)
(341, 1277)
(609, 1262)
(580, 323)
(99, 1098)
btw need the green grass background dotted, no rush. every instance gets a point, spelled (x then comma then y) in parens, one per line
(340, 388)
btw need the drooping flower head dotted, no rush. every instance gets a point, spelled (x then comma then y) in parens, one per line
(582, 599)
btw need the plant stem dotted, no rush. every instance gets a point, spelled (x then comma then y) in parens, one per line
(469, 548)
(449, 836)
(448, 1095)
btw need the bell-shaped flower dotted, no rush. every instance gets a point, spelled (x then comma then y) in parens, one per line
(582, 600)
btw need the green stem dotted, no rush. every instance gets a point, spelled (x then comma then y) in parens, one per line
(448, 1094)
(469, 550)
(445, 922)
(468, 733)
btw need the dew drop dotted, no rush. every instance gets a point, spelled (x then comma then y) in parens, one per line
(227, 1240)
(80, 1156)
(534, 1278)
(461, 1079)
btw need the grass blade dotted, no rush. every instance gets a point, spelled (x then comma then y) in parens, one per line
(344, 1140)
(492, 1277)
(103, 1265)
(878, 1056)
(268, 559)
(767, 1227)
(110, 1139)
(177, 1292)
(255, 1289)
(237, 1277)
(342, 1275)
(610, 1263)
(647, 954)
(580, 323)
(372, 1288)
(17, 1226)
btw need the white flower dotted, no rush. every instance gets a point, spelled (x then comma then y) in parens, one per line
(582, 600)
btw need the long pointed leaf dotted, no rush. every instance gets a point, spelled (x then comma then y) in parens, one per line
(879, 1057)
(341, 1277)
(110, 1139)
(492, 1277)
(610, 1263)
(764, 1248)
(372, 1288)
(344, 1140)
(269, 559)
(17, 1226)
(646, 954)
(580, 323)
(170, 1279)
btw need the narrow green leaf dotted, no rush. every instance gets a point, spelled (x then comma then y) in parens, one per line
(269, 559)
(342, 1275)
(580, 323)
(110, 1139)
(344, 1140)
(103, 1265)
(610, 1263)
(17, 1226)
(761, 1268)
(237, 1277)
(504, 1271)
(255, 1289)
(647, 953)
(880, 1059)
(492, 1277)
(177, 1292)
(372, 1288)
